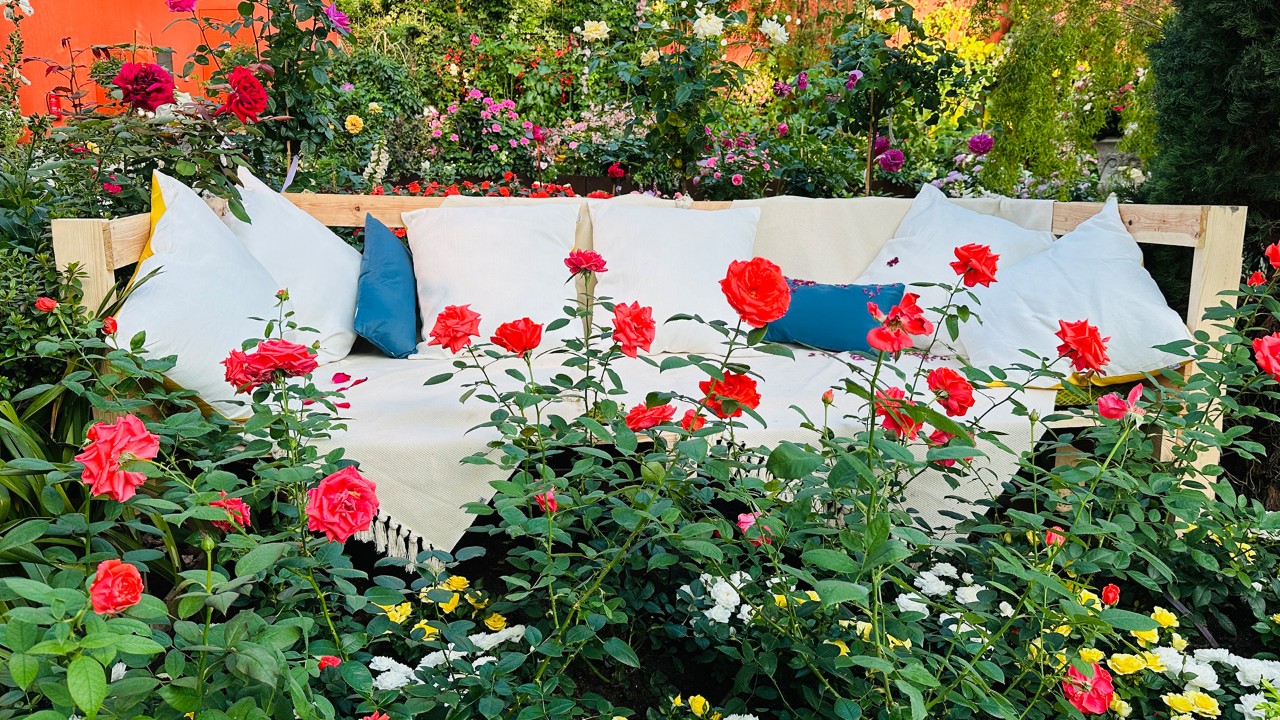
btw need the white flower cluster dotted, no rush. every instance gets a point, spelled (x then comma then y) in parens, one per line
(379, 158)
(774, 31)
(593, 30)
(1248, 706)
(393, 674)
(23, 6)
(707, 25)
(724, 597)
(1249, 672)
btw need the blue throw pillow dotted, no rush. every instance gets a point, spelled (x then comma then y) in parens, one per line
(387, 299)
(832, 317)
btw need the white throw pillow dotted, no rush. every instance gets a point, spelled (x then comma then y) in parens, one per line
(672, 260)
(924, 246)
(505, 262)
(1093, 273)
(320, 271)
(200, 304)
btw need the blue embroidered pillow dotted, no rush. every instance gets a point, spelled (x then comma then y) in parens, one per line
(832, 317)
(387, 298)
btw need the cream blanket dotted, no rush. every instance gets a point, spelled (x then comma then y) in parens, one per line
(410, 439)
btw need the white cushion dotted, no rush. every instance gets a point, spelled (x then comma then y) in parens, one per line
(924, 246)
(505, 262)
(320, 271)
(672, 260)
(1093, 273)
(201, 304)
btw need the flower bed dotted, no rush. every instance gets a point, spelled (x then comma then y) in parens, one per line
(638, 560)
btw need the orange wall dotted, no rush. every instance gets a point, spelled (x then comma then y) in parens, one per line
(106, 22)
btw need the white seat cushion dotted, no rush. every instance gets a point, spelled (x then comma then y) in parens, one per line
(672, 260)
(505, 262)
(320, 271)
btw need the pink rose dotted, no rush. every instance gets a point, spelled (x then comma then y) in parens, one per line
(112, 445)
(342, 505)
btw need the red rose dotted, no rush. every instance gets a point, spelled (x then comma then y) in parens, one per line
(1054, 536)
(633, 328)
(547, 501)
(342, 505)
(116, 587)
(1091, 693)
(829, 397)
(329, 661)
(278, 355)
(616, 172)
(237, 511)
(112, 188)
(1257, 279)
(46, 304)
(584, 261)
(975, 264)
(1111, 594)
(692, 421)
(643, 417)
(247, 98)
(144, 86)
(112, 445)
(757, 290)
(519, 336)
(454, 328)
(940, 438)
(1266, 352)
(599, 194)
(242, 374)
(1273, 254)
(377, 715)
(889, 406)
(109, 325)
(1083, 345)
(740, 390)
(955, 394)
(904, 320)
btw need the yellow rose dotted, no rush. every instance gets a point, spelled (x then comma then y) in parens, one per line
(1146, 638)
(1276, 618)
(1089, 600)
(812, 595)
(780, 600)
(1181, 716)
(844, 649)
(1164, 617)
(1177, 642)
(1092, 655)
(619, 717)
(896, 643)
(677, 702)
(1120, 707)
(495, 622)
(375, 107)
(1178, 703)
(428, 631)
(452, 604)
(92, 147)
(1153, 662)
(398, 613)
(354, 124)
(1203, 703)
(457, 583)
(477, 601)
(1125, 664)
(863, 628)
(698, 705)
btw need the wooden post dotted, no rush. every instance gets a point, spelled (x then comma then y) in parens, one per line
(87, 242)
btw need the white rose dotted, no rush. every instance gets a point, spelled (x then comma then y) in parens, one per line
(707, 25)
(593, 30)
(774, 31)
(649, 57)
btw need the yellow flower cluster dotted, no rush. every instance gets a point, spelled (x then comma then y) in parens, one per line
(698, 705)
(782, 600)
(1126, 664)
(398, 613)
(1191, 702)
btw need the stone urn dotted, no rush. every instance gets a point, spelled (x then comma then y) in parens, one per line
(1112, 159)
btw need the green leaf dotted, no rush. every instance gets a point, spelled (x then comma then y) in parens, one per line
(260, 558)
(833, 560)
(255, 662)
(838, 591)
(789, 461)
(490, 706)
(621, 651)
(357, 676)
(1125, 620)
(33, 590)
(137, 645)
(87, 683)
(186, 168)
(24, 534)
(23, 669)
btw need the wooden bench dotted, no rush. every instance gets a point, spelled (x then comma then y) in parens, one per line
(1215, 235)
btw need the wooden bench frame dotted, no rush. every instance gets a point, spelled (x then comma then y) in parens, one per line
(1214, 233)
